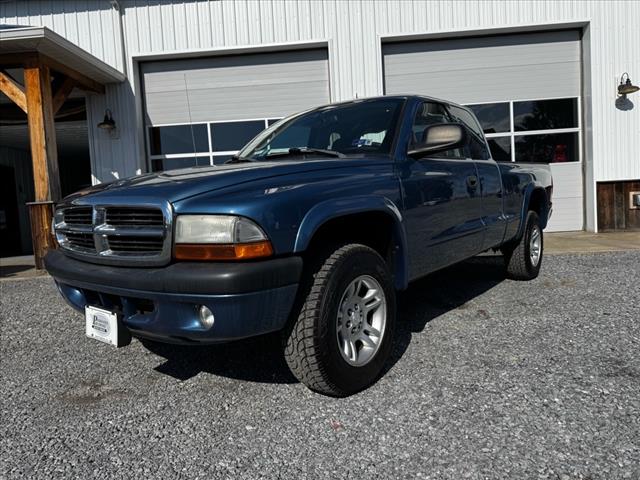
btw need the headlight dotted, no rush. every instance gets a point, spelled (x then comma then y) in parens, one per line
(219, 237)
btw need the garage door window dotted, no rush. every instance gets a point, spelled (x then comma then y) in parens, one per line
(210, 143)
(229, 136)
(176, 139)
(535, 131)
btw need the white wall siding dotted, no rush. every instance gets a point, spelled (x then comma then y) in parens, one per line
(90, 24)
(114, 155)
(353, 29)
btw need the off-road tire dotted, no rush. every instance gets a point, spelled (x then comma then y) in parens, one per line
(517, 257)
(310, 344)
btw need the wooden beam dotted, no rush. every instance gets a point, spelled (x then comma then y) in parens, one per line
(13, 90)
(42, 134)
(62, 92)
(17, 60)
(82, 81)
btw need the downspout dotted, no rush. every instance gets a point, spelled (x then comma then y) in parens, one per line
(116, 4)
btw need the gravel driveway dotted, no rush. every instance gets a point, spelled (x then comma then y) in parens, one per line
(490, 379)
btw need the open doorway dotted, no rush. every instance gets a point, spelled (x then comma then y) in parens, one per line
(16, 171)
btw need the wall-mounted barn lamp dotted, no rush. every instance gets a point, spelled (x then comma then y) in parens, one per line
(627, 87)
(108, 123)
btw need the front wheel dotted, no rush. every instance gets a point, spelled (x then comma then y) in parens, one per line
(523, 260)
(343, 334)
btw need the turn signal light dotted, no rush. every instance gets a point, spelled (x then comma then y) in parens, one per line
(238, 251)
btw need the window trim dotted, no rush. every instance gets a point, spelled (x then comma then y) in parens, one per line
(210, 153)
(513, 134)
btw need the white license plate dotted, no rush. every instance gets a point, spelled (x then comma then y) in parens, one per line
(101, 325)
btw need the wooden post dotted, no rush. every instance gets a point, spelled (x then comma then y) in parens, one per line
(44, 155)
(41, 214)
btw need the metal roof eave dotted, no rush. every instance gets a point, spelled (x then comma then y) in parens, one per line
(47, 42)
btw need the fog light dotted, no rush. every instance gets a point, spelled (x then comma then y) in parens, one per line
(206, 317)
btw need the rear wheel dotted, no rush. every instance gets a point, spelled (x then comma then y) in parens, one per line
(343, 334)
(523, 260)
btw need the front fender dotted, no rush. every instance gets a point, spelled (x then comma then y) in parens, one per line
(331, 209)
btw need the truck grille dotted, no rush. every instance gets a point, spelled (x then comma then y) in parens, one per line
(126, 216)
(78, 216)
(116, 235)
(134, 244)
(81, 241)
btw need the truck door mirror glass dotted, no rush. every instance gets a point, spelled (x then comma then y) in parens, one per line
(438, 138)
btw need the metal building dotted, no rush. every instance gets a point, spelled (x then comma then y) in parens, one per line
(199, 78)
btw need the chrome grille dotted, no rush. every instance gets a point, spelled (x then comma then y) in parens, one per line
(133, 244)
(116, 234)
(81, 241)
(127, 216)
(78, 216)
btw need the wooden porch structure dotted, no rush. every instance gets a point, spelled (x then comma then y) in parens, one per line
(49, 78)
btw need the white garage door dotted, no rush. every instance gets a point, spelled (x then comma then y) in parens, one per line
(201, 111)
(525, 90)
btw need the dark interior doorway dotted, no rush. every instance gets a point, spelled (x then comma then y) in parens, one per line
(9, 221)
(16, 174)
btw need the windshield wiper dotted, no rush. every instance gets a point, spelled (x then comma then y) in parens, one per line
(305, 150)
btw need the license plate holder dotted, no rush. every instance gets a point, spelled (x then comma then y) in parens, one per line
(106, 326)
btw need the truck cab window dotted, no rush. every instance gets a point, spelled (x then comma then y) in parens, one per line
(432, 113)
(476, 147)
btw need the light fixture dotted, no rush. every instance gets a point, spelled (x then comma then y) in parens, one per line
(205, 316)
(107, 123)
(626, 87)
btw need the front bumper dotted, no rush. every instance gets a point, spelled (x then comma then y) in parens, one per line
(247, 299)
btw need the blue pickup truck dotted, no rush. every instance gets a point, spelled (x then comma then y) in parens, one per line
(310, 230)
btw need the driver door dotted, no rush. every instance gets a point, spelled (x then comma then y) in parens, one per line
(443, 204)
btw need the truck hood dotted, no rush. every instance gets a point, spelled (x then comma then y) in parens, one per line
(175, 185)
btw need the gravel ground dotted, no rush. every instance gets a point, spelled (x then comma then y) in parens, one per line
(490, 378)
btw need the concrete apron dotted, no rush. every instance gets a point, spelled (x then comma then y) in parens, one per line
(585, 242)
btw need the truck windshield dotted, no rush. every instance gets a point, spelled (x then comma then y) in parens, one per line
(356, 128)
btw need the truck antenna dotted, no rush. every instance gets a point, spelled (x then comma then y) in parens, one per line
(193, 138)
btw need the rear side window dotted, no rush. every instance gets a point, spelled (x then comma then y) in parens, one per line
(476, 146)
(432, 113)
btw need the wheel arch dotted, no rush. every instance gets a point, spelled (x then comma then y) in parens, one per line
(535, 198)
(340, 218)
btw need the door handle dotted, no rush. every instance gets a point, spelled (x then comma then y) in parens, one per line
(472, 181)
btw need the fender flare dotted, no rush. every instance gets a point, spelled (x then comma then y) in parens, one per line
(528, 193)
(335, 208)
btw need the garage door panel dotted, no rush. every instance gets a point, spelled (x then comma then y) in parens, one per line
(235, 87)
(265, 59)
(170, 107)
(567, 180)
(558, 40)
(486, 68)
(568, 215)
(248, 75)
(473, 59)
(504, 50)
(481, 86)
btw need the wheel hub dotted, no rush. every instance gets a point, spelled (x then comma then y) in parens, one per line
(361, 320)
(535, 246)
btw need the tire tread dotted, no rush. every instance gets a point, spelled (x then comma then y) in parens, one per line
(302, 352)
(517, 258)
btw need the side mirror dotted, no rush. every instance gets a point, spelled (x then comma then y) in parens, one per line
(439, 138)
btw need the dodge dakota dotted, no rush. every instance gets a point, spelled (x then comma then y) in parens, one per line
(309, 230)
